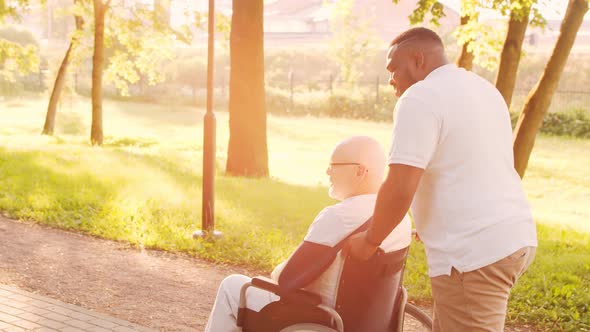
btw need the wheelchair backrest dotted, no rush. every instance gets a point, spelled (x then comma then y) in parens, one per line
(369, 291)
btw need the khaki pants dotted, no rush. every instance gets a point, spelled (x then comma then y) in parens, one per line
(477, 300)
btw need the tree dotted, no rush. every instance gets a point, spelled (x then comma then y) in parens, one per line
(539, 99)
(465, 58)
(18, 49)
(479, 43)
(139, 40)
(100, 9)
(60, 79)
(247, 153)
(17, 55)
(353, 39)
(520, 10)
(12, 8)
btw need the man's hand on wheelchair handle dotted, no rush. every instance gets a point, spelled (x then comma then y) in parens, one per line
(358, 247)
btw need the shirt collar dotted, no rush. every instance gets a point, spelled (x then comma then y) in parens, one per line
(357, 197)
(441, 70)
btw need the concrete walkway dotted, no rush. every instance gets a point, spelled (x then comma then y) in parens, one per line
(24, 311)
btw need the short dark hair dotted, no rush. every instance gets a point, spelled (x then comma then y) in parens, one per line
(420, 33)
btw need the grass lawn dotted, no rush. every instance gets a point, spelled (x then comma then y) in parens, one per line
(144, 186)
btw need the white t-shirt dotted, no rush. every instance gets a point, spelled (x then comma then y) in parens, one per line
(336, 222)
(469, 209)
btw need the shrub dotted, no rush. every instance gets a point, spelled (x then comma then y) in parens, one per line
(573, 122)
(18, 35)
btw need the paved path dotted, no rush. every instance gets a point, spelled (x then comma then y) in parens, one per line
(24, 311)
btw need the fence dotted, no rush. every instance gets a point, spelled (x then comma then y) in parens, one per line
(293, 93)
(296, 94)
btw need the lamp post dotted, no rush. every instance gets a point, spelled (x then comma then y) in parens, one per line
(208, 208)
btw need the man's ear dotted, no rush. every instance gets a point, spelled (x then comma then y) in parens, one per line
(361, 169)
(419, 59)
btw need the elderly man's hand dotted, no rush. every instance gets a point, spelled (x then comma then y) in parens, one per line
(358, 247)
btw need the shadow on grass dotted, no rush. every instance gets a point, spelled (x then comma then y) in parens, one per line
(262, 219)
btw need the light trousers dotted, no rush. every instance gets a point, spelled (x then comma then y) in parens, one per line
(477, 300)
(225, 309)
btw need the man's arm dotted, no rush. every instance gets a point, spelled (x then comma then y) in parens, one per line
(393, 201)
(307, 263)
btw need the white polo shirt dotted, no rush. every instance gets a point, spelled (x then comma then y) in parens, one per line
(336, 222)
(469, 209)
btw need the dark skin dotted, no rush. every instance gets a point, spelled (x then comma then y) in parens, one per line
(307, 263)
(408, 63)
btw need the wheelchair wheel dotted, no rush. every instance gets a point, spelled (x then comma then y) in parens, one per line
(308, 327)
(416, 320)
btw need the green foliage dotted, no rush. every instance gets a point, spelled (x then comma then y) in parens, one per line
(12, 9)
(16, 59)
(140, 47)
(555, 292)
(484, 42)
(138, 41)
(222, 25)
(18, 53)
(424, 9)
(573, 123)
(353, 42)
(18, 35)
(521, 9)
(342, 103)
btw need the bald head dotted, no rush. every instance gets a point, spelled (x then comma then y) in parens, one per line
(358, 165)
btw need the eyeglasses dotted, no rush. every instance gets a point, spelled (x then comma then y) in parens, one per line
(341, 164)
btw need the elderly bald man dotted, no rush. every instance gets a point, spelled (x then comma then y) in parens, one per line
(356, 172)
(451, 159)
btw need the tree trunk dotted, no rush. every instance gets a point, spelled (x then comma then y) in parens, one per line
(511, 51)
(96, 135)
(60, 80)
(465, 58)
(247, 151)
(539, 99)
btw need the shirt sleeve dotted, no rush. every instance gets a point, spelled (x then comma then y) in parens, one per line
(416, 130)
(326, 229)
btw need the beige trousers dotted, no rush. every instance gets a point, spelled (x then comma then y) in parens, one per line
(477, 300)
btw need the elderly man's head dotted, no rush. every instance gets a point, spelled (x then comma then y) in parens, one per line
(412, 56)
(356, 167)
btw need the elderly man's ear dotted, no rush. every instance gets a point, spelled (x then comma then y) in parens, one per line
(361, 170)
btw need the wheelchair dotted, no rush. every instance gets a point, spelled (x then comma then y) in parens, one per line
(370, 298)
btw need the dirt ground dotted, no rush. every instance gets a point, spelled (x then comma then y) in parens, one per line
(170, 292)
(166, 291)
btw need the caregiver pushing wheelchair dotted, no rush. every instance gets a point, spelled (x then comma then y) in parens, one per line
(451, 159)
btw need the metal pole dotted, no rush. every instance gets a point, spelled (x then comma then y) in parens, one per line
(208, 207)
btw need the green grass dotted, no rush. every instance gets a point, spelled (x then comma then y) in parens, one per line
(144, 187)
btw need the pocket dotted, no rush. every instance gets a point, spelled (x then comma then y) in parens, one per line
(516, 257)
